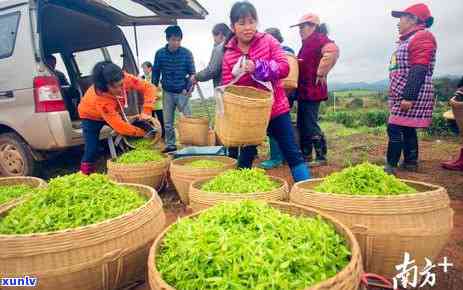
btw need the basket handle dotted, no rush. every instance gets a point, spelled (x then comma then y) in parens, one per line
(118, 256)
(374, 280)
(367, 241)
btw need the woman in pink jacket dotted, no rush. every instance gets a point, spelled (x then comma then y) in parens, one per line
(265, 61)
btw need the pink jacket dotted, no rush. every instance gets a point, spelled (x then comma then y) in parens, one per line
(271, 65)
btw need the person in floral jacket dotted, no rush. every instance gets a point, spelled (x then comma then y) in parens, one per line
(411, 92)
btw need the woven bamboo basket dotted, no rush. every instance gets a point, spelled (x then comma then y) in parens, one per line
(211, 138)
(200, 200)
(457, 108)
(291, 81)
(246, 116)
(387, 227)
(348, 279)
(193, 131)
(182, 175)
(150, 173)
(103, 256)
(23, 180)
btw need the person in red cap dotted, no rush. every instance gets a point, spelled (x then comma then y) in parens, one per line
(317, 57)
(457, 105)
(411, 92)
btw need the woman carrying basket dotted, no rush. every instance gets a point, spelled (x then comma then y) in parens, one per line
(103, 104)
(260, 57)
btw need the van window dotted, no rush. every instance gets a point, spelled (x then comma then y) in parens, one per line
(60, 66)
(117, 54)
(131, 8)
(87, 59)
(8, 31)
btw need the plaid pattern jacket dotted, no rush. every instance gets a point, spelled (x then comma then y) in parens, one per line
(420, 116)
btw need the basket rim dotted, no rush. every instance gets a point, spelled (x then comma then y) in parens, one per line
(194, 184)
(194, 118)
(164, 162)
(453, 101)
(434, 189)
(262, 91)
(19, 178)
(16, 180)
(352, 242)
(83, 229)
(226, 160)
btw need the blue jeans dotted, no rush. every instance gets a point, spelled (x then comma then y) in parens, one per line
(170, 102)
(281, 129)
(91, 132)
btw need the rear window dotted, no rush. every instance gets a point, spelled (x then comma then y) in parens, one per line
(8, 31)
(87, 59)
(131, 8)
(116, 53)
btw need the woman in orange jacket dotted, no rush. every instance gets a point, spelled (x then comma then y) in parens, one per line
(103, 104)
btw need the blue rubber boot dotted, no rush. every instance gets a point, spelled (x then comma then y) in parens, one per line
(276, 158)
(301, 172)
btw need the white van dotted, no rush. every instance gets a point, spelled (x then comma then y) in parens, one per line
(38, 103)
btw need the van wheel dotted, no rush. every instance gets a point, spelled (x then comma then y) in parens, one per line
(15, 156)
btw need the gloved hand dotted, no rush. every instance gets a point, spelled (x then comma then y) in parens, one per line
(143, 124)
(150, 134)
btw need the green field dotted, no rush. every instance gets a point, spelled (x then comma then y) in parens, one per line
(354, 93)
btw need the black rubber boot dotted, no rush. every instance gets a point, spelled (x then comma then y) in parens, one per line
(411, 153)
(307, 149)
(319, 145)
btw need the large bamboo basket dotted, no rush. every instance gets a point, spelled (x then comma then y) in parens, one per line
(193, 131)
(200, 200)
(150, 173)
(457, 108)
(22, 180)
(348, 279)
(387, 227)
(290, 83)
(103, 256)
(182, 176)
(246, 116)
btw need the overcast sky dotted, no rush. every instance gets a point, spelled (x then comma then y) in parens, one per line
(364, 30)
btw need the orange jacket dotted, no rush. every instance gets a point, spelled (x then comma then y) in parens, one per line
(105, 107)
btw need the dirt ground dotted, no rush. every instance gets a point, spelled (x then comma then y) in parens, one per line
(351, 150)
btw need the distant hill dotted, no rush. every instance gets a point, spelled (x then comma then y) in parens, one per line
(375, 86)
(381, 85)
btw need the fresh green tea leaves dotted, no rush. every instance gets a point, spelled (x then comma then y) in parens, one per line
(205, 164)
(250, 245)
(139, 156)
(8, 193)
(364, 179)
(241, 181)
(142, 143)
(69, 202)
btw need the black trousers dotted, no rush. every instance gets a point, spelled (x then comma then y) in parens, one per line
(281, 129)
(402, 140)
(310, 133)
(159, 115)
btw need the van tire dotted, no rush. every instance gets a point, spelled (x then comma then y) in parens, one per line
(15, 156)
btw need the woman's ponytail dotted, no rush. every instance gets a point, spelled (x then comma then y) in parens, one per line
(105, 73)
(322, 28)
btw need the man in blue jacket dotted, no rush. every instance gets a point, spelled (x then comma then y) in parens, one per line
(176, 66)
